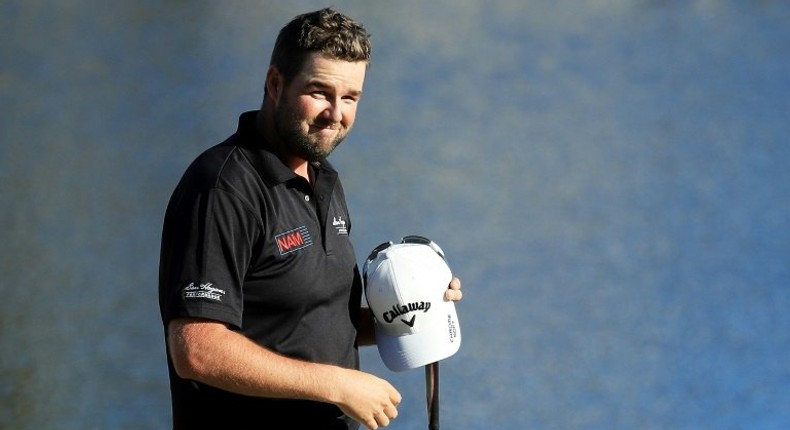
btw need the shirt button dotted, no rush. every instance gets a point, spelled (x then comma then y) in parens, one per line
(307, 198)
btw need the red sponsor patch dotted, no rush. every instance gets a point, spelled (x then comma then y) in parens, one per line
(293, 240)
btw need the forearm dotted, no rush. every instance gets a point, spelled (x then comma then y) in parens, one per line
(210, 353)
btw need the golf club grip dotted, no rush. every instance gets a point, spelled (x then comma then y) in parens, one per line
(432, 394)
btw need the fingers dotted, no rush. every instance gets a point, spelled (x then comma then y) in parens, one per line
(390, 410)
(454, 293)
(395, 397)
(369, 399)
(383, 417)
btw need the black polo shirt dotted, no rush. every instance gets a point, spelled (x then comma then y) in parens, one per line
(249, 243)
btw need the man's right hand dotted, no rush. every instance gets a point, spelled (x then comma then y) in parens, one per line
(367, 398)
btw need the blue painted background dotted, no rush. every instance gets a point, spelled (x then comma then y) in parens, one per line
(609, 178)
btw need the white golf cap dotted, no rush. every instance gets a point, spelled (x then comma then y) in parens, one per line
(404, 286)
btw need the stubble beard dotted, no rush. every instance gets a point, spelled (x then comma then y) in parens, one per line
(295, 136)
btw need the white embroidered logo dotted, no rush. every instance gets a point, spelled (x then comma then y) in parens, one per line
(340, 225)
(203, 291)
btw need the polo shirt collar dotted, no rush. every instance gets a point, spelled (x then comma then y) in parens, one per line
(268, 165)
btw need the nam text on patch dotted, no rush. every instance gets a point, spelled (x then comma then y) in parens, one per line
(293, 240)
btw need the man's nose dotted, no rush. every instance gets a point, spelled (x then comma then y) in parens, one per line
(334, 111)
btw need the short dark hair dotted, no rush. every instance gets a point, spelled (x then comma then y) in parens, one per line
(326, 32)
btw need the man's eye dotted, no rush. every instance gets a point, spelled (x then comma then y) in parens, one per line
(319, 94)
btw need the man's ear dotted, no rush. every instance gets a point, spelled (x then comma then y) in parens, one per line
(274, 83)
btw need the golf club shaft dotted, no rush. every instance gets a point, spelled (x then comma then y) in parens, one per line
(432, 394)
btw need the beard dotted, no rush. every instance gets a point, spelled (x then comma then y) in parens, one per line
(295, 135)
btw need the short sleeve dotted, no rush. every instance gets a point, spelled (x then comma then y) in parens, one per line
(207, 244)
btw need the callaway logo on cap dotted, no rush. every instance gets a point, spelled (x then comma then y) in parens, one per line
(404, 286)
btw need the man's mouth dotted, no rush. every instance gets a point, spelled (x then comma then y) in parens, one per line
(325, 128)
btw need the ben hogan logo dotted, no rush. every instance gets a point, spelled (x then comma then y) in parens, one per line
(293, 240)
(203, 291)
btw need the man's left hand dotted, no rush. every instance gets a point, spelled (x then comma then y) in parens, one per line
(454, 293)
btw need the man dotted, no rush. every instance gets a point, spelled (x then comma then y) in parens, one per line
(259, 288)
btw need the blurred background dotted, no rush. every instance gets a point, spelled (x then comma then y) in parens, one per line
(609, 179)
